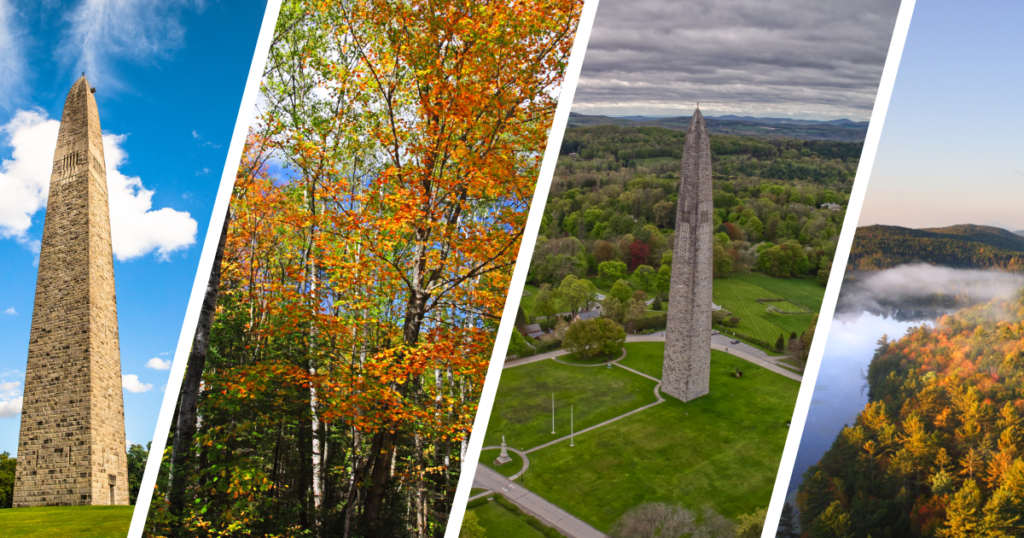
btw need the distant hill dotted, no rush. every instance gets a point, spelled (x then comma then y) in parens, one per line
(838, 130)
(962, 246)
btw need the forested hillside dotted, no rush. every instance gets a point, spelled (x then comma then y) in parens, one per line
(779, 204)
(962, 246)
(937, 450)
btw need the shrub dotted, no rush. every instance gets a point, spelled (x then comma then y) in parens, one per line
(656, 305)
(646, 323)
(780, 344)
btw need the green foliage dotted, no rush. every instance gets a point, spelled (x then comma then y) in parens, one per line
(576, 293)
(137, 457)
(544, 305)
(785, 260)
(644, 276)
(7, 467)
(471, 526)
(936, 450)
(593, 336)
(721, 261)
(780, 344)
(518, 346)
(621, 291)
(965, 246)
(751, 525)
(613, 270)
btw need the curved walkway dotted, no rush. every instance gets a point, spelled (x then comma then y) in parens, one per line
(526, 459)
(552, 515)
(532, 504)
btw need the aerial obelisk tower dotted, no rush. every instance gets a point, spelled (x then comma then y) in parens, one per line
(687, 367)
(72, 445)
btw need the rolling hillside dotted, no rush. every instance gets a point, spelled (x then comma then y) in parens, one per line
(837, 130)
(962, 246)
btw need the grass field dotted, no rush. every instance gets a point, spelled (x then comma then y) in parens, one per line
(739, 294)
(64, 521)
(645, 357)
(499, 522)
(721, 449)
(805, 292)
(487, 457)
(522, 408)
(600, 358)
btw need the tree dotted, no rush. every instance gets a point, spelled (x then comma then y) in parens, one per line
(639, 252)
(621, 291)
(780, 344)
(575, 293)
(7, 468)
(634, 310)
(751, 525)
(604, 251)
(645, 276)
(963, 513)
(614, 270)
(137, 457)
(787, 523)
(613, 309)
(664, 280)
(834, 522)
(655, 519)
(721, 261)
(544, 305)
(471, 526)
(593, 336)
(365, 272)
(518, 346)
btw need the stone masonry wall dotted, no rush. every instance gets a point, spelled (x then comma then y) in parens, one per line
(71, 449)
(687, 367)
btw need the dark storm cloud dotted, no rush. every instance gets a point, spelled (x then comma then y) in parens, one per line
(804, 58)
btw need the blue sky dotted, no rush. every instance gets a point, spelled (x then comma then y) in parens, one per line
(950, 151)
(169, 76)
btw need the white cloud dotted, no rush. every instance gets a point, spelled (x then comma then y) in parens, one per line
(10, 398)
(25, 178)
(137, 230)
(158, 364)
(131, 383)
(12, 312)
(105, 32)
(10, 408)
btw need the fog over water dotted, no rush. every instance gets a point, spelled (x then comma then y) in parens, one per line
(873, 304)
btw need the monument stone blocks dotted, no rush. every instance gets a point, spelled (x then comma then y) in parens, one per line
(687, 366)
(71, 450)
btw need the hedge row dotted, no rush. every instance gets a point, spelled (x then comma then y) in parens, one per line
(528, 519)
(753, 340)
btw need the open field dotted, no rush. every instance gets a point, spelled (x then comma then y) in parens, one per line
(487, 457)
(645, 357)
(739, 296)
(64, 521)
(805, 292)
(499, 521)
(522, 408)
(722, 449)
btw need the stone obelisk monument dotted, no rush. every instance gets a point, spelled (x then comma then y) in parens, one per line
(72, 445)
(687, 367)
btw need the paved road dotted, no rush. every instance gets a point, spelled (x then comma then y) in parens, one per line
(534, 504)
(741, 350)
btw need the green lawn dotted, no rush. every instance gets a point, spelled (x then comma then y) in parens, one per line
(739, 295)
(522, 408)
(721, 449)
(63, 521)
(805, 292)
(500, 523)
(487, 457)
(600, 358)
(645, 357)
(476, 491)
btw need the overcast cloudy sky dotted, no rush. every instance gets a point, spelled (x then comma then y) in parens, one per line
(792, 58)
